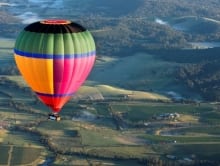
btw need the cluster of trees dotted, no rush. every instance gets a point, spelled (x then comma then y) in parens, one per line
(122, 31)
(9, 70)
(135, 29)
(152, 8)
(203, 78)
(155, 161)
(114, 8)
(124, 36)
(131, 35)
(199, 69)
(6, 82)
(176, 8)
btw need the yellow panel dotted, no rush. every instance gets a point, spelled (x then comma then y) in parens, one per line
(38, 73)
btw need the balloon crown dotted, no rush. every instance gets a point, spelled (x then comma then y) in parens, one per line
(55, 22)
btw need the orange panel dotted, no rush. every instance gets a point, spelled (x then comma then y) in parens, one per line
(38, 73)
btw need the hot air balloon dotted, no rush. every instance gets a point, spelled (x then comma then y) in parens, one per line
(54, 57)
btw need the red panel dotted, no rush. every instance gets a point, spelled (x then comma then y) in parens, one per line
(55, 103)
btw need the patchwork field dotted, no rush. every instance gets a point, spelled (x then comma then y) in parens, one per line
(103, 130)
(14, 155)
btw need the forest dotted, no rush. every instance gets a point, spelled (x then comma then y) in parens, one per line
(134, 26)
(200, 69)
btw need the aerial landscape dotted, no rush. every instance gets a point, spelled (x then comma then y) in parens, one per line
(151, 99)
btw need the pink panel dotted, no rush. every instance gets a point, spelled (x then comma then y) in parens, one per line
(72, 73)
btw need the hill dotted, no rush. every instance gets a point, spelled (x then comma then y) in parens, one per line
(198, 69)
(106, 92)
(93, 91)
(140, 71)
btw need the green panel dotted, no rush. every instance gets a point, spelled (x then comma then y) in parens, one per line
(88, 40)
(68, 47)
(27, 43)
(47, 44)
(77, 42)
(19, 39)
(60, 44)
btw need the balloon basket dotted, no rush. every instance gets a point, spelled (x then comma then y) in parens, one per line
(54, 117)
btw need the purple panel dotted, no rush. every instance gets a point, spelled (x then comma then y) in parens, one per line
(58, 69)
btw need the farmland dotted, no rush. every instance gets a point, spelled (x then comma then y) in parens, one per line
(107, 124)
(102, 130)
(27, 155)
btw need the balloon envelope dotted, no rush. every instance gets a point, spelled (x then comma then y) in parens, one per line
(54, 57)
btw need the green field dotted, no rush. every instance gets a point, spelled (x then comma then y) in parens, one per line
(14, 155)
(208, 130)
(144, 112)
(157, 74)
(208, 151)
